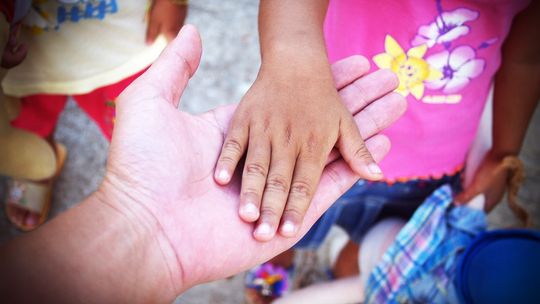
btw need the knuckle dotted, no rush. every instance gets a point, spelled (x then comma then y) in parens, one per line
(277, 184)
(266, 125)
(288, 134)
(226, 159)
(256, 169)
(335, 177)
(362, 153)
(312, 143)
(294, 213)
(301, 189)
(360, 92)
(233, 145)
(269, 212)
(250, 192)
(375, 122)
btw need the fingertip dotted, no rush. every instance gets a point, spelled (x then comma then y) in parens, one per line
(249, 212)
(149, 40)
(375, 171)
(379, 146)
(151, 33)
(360, 62)
(222, 176)
(349, 69)
(288, 229)
(189, 45)
(370, 170)
(264, 232)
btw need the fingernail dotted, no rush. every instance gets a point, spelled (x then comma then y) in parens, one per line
(223, 176)
(288, 228)
(263, 229)
(250, 210)
(374, 169)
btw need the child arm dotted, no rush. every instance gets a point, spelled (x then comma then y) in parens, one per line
(516, 95)
(166, 17)
(288, 130)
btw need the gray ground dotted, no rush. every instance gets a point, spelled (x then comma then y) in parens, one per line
(229, 65)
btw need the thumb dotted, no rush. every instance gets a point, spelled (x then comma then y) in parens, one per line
(355, 153)
(170, 74)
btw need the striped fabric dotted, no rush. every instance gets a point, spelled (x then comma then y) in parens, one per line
(419, 266)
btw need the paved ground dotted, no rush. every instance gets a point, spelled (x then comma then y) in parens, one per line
(230, 63)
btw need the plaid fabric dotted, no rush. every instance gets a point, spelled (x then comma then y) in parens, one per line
(420, 266)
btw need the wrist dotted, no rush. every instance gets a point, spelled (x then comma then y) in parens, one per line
(499, 154)
(180, 2)
(96, 250)
(285, 60)
(156, 266)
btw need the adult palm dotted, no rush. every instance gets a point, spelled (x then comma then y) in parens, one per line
(167, 157)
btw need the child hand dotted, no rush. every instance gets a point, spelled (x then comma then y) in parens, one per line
(166, 17)
(13, 52)
(490, 179)
(288, 133)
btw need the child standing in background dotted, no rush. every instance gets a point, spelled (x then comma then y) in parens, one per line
(446, 54)
(90, 50)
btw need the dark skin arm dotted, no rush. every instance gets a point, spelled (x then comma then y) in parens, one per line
(517, 91)
(13, 51)
(165, 17)
(287, 132)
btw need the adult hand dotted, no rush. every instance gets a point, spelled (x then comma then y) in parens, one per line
(162, 161)
(13, 53)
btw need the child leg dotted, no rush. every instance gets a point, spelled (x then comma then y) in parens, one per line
(29, 189)
(39, 114)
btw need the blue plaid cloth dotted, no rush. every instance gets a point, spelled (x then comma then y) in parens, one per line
(420, 265)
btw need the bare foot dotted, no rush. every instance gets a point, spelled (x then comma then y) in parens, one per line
(21, 217)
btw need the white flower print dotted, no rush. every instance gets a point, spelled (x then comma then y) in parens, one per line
(458, 68)
(448, 26)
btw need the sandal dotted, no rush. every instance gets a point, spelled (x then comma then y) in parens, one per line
(266, 283)
(24, 196)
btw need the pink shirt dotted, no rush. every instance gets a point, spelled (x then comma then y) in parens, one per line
(445, 54)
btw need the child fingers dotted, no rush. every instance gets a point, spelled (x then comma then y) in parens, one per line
(232, 151)
(367, 89)
(254, 177)
(354, 151)
(376, 117)
(276, 191)
(306, 176)
(152, 30)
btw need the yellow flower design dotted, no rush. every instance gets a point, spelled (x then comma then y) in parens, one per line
(411, 69)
